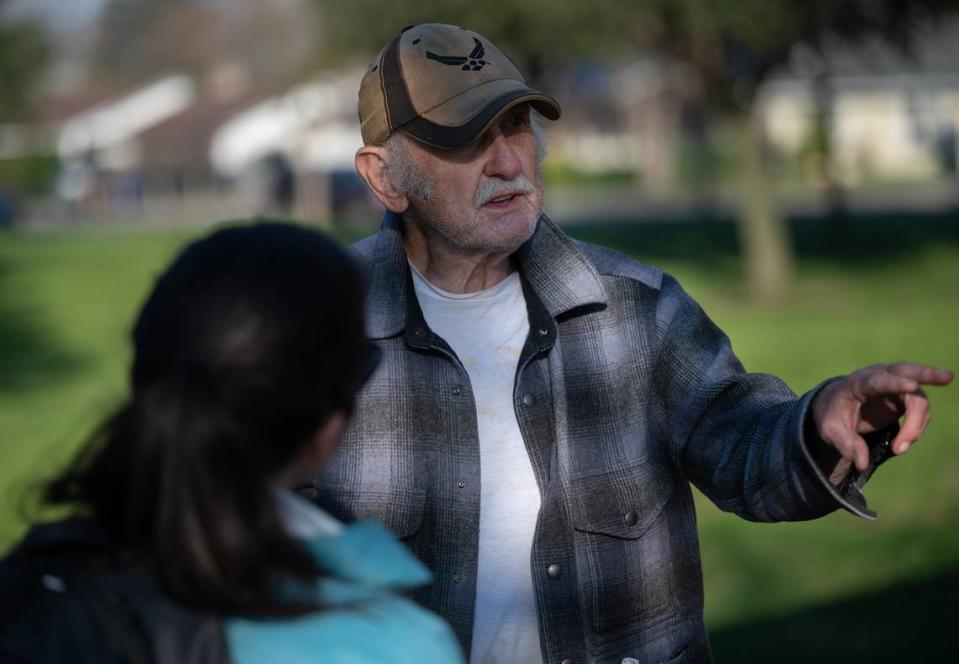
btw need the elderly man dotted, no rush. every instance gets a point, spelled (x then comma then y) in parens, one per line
(543, 405)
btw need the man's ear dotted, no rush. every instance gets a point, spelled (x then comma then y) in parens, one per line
(371, 163)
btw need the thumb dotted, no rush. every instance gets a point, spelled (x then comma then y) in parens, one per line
(851, 446)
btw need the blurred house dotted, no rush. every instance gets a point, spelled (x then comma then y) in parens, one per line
(305, 138)
(176, 172)
(884, 115)
(101, 148)
(179, 149)
(28, 163)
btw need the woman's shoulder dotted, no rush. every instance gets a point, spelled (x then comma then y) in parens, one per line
(380, 628)
(363, 619)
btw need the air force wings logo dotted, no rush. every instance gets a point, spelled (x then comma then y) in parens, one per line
(472, 62)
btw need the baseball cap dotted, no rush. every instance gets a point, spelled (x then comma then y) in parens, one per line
(443, 86)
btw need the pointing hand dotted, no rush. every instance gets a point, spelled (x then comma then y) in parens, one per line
(868, 400)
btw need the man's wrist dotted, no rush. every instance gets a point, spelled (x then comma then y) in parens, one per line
(827, 458)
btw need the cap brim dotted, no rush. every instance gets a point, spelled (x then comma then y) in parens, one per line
(448, 136)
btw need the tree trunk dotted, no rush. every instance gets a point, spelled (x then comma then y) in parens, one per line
(834, 196)
(763, 234)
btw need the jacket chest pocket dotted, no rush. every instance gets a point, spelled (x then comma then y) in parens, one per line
(635, 541)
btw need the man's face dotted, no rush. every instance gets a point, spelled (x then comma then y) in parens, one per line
(485, 197)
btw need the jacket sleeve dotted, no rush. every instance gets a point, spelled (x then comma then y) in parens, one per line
(740, 437)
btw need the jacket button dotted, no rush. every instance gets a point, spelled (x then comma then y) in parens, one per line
(554, 571)
(567, 661)
(543, 331)
(419, 332)
(457, 578)
(461, 484)
(457, 390)
(631, 518)
(528, 399)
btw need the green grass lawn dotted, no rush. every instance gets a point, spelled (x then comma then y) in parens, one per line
(67, 300)
(837, 588)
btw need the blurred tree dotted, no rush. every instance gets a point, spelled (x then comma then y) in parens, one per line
(118, 51)
(536, 33)
(734, 44)
(139, 39)
(24, 53)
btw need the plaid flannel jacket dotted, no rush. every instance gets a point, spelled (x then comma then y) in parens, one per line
(625, 394)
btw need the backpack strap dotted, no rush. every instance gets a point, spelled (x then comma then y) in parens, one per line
(69, 597)
(141, 624)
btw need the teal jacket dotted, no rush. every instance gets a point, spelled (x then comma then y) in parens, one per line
(73, 599)
(365, 619)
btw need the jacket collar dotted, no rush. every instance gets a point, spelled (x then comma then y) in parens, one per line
(558, 273)
(366, 552)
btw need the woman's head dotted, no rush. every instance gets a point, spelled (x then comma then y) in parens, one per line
(261, 325)
(249, 345)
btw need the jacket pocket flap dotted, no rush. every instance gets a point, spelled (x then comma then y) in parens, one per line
(622, 503)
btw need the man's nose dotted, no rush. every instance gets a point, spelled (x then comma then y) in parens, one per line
(502, 159)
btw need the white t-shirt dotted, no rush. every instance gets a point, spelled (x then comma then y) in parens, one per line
(487, 331)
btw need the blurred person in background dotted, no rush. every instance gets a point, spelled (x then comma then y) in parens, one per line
(544, 404)
(75, 183)
(280, 180)
(187, 545)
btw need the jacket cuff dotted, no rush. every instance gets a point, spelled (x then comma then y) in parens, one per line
(848, 493)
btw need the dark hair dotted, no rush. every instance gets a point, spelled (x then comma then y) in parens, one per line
(248, 343)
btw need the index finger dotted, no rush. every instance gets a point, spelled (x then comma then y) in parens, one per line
(922, 373)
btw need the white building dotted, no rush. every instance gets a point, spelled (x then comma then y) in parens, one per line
(890, 116)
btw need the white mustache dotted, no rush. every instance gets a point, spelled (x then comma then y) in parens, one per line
(496, 187)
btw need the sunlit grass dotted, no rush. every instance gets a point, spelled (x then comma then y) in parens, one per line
(67, 301)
